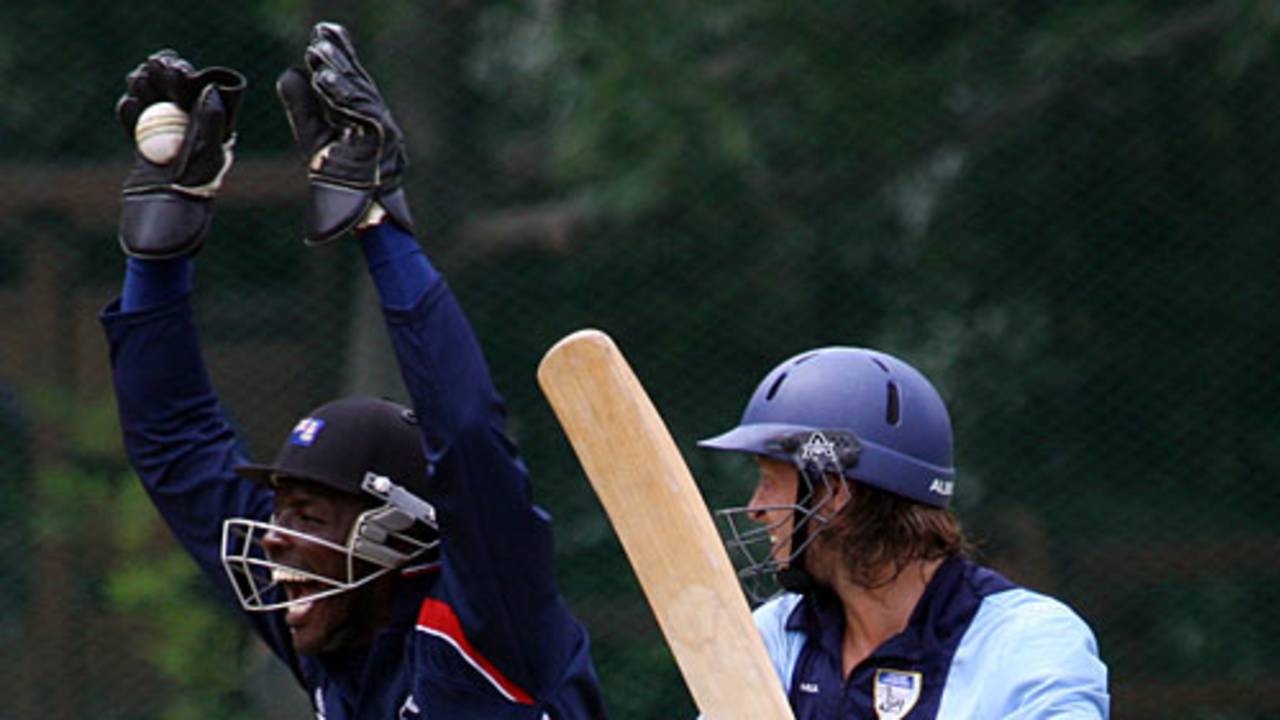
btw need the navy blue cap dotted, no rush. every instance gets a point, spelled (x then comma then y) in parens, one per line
(339, 442)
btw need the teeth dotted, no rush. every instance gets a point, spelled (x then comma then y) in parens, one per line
(297, 611)
(285, 575)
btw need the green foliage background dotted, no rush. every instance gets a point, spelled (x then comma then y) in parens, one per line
(1064, 213)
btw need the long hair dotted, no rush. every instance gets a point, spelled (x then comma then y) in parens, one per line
(880, 533)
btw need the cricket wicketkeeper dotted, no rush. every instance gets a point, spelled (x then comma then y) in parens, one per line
(391, 556)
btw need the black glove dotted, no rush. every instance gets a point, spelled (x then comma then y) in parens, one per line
(354, 149)
(166, 208)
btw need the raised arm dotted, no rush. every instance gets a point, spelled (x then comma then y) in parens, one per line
(176, 435)
(497, 588)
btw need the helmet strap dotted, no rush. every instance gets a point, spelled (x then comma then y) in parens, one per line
(795, 577)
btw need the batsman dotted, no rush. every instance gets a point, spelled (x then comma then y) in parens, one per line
(389, 555)
(881, 612)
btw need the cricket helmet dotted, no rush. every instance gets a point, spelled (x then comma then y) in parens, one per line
(895, 423)
(363, 447)
(838, 412)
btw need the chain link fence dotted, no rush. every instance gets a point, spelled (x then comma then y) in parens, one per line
(1066, 215)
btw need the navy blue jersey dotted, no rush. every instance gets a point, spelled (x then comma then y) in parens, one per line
(976, 646)
(485, 634)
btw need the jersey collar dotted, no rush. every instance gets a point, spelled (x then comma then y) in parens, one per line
(944, 608)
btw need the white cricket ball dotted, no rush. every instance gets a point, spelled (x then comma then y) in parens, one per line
(159, 132)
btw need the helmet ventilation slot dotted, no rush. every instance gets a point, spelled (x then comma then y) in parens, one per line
(773, 389)
(892, 410)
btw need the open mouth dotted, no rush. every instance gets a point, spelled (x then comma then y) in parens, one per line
(297, 586)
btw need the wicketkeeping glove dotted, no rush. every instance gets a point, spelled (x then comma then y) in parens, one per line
(353, 147)
(166, 209)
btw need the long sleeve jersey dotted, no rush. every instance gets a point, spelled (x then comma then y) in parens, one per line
(487, 635)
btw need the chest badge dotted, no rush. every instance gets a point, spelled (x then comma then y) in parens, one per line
(896, 692)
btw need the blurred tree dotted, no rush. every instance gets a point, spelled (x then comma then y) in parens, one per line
(60, 102)
(14, 464)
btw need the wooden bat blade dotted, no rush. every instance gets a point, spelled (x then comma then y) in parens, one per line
(665, 528)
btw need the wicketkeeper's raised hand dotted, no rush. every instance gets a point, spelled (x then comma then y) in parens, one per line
(354, 149)
(167, 208)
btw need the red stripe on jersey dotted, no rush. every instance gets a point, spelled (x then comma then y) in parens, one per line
(438, 619)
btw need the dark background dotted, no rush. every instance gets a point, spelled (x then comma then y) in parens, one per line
(1064, 213)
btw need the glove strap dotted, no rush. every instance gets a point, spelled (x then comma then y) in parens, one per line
(333, 210)
(205, 191)
(163, 224)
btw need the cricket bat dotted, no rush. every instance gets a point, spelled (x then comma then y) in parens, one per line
(665, 528)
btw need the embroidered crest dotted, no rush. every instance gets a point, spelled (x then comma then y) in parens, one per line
(304, 433)
(896, 692)
(820, 450)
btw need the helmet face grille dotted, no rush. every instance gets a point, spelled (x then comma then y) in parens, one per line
(381, 539)
(762, 553)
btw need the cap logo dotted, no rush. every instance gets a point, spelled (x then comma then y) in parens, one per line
(305, 432)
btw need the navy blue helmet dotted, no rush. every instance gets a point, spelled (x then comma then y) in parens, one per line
(897, 430)
(834, 412)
